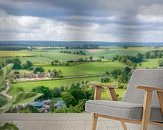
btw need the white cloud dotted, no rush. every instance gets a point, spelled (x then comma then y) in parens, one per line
(151, 14)
(155, 10)
(36, 28)
(148, 18)
(28, 28)
(91, 18)
(95, 28)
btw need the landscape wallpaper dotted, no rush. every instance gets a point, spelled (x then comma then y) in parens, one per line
(52, 50)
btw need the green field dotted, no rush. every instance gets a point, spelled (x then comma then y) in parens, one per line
(14, 54)
(55, 55)
(28, 86)
(113, 51)
(150, 63)
(36, 60)
(44, 58)
(88, 68)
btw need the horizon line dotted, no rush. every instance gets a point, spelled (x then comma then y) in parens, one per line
(79, 41)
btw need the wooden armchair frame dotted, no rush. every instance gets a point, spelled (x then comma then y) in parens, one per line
(146, 107)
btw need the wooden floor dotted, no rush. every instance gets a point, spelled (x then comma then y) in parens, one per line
(54, 121)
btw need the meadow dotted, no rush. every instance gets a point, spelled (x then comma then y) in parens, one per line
(39, 56)
(28, 86)
(44, 58)
(113, 51)
(14, 54)
(150, 63)
(87, 68)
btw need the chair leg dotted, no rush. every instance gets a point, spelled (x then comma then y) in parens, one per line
(144, 126)
(124, 125)
(146, 110)
(94, 122)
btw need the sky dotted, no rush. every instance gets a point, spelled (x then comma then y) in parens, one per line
(82, 20)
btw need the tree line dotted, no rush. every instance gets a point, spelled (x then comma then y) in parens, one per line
(134, 60)
(74, 52)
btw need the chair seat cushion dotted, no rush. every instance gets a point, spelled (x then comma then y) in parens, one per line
(131, 111)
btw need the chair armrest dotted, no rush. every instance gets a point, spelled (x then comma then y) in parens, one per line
(99, 87)
(148, 88)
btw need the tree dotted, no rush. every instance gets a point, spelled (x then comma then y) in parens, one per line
(59, 73)
(20, 89)
(105, 79)
(57, 92)
(3, 101)
(16, 74)
(159, 54)
(52, 63)
(125, 75)
(16, 63)
(1, 73)
(76, 93)
(115, 73)
(147, 55)
(152, 55)
(29, 109)
(27, 65)
(160, 63)
(54, 73)
(8, 126)
(69, 100)
(139, 57)
(90, 58)
(47, 93)
(81, 60)
(38, 70)
(127, 70)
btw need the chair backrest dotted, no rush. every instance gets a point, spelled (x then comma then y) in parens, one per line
(146, 77)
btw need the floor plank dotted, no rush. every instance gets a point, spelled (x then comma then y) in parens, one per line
(50, 121)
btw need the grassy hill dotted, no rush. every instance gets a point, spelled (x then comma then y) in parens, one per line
(28, 86)
(46, 56)
(150, 63)
(113, 51)
(43, 58)
(87, 68)
(14, 53)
